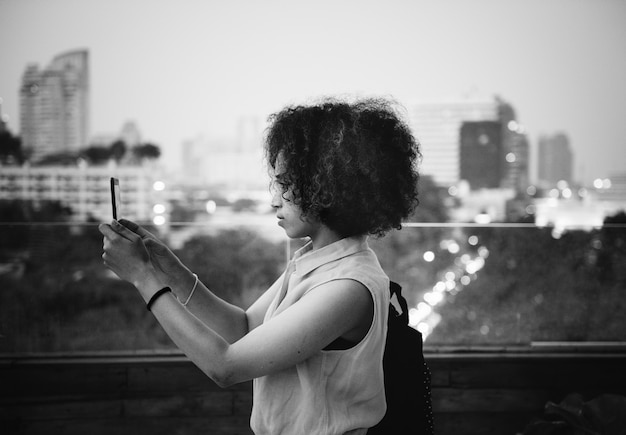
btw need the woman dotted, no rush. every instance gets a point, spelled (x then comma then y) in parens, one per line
(314, 341)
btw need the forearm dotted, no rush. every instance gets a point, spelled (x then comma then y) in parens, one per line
(126, 254)
(228, 320)
(203, 345)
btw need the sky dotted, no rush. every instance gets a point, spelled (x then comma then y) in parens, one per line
(182, 69)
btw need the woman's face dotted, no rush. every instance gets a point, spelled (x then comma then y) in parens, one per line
(288, 213)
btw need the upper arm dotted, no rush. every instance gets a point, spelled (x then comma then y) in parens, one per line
(256, 312)
(305, 328)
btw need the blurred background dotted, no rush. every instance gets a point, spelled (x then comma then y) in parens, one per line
(520, 238)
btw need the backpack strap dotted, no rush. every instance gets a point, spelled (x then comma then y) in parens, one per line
(396, 289)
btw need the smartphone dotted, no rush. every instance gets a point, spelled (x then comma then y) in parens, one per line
(116, 201)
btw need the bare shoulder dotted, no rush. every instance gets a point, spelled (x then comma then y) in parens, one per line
(345, 290)
(352, 302)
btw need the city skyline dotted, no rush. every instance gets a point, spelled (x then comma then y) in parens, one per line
(180, 72)
(54, 105)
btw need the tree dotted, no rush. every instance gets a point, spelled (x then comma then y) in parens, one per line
(401, 253)
(10, 148)
(610, 249)
(96, 154)
(237, 265)
(534, 287)
(63, 158)
(146, 151)
(118, 150)
(244, 204)
(21, 211)
(432, 202)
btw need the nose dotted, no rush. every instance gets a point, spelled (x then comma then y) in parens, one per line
(277, 199)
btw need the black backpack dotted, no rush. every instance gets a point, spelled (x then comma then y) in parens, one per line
(407, 377)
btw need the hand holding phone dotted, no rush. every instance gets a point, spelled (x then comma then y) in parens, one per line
(116, 201)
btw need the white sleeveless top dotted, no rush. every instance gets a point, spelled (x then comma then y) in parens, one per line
(334, 391)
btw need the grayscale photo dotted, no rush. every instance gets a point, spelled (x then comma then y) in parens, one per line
(340, 217)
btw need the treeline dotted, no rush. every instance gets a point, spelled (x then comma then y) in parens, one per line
(538, 288)
(95, 155)
(12, 153)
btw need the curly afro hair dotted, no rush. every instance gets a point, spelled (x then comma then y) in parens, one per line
(352, 166)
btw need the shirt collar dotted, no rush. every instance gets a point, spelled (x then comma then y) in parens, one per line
(306, 260)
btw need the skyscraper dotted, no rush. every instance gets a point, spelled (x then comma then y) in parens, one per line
(556, 159)
(54, 105)
(438, 125)
(3, 119)
(517, 160)
(481, 154)
(515, 150)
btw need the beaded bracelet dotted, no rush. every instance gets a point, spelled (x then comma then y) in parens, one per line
(193, 289)
(156, 296)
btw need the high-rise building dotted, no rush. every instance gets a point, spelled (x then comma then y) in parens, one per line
(481, 154)
(515, 150)
(555, 158)
(54, 105)
(222, 163)
(130, 134)
(516, 157)
(3, 119)
(249, 134)
(437, 126)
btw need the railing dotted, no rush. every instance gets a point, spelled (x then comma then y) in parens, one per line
(513, 315)
(488, 391)
(467, 284)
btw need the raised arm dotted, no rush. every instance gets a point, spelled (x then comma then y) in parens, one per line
(335, 309)
(230, 321)
(127, 242)
(332, 310)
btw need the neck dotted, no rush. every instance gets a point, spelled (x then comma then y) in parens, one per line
(324, 236)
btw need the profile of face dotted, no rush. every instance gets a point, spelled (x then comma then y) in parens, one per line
(289, 214)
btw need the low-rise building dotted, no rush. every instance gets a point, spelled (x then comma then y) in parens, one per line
(86, 189)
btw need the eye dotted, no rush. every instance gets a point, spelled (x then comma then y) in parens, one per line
(279, 183)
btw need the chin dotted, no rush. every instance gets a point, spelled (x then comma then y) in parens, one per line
(295, 234)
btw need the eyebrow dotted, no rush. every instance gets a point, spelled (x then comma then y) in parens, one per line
(280, 177)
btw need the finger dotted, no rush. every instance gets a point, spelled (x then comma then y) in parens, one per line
(154, 244)
(129, 224)
(109, 264)
(106, 231)
(123, 231)
(136, 228)
(109, 232)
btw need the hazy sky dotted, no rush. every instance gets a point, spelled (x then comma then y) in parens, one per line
(192, 67)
